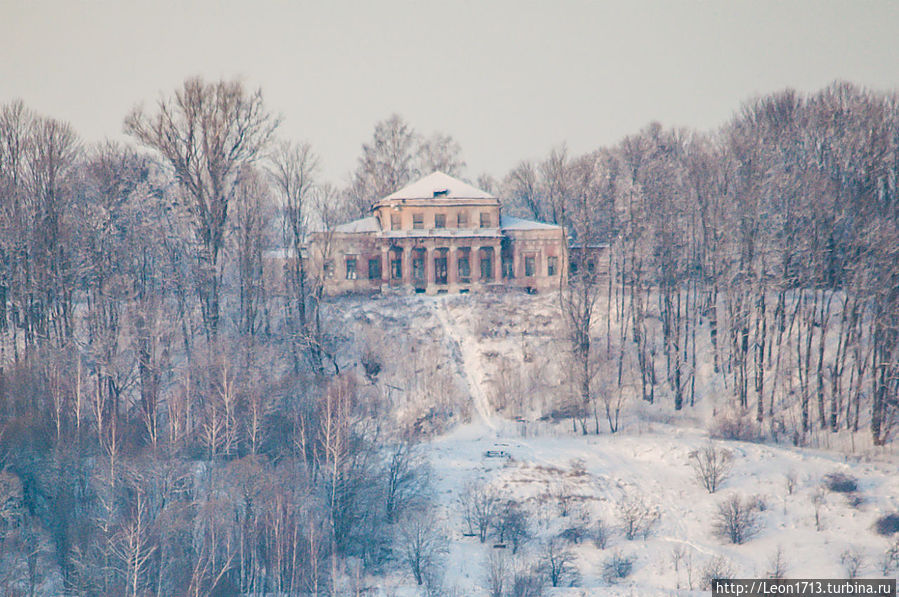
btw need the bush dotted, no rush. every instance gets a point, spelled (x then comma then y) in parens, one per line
(735, 427)
(637, 518)
(600, 534)
(617, 567)
(853, 561)
(887, 525)
(890, 560)
(527, 583)
(840, 482)
(511, 525)
(737, 519)
(777, 568)
(718, 568)
(712, 466)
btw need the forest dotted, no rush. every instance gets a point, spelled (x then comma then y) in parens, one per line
(176, 418)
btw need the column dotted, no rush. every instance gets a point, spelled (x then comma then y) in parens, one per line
(385, 264)
(474, 257)
(498, 262)
(517, 268)
(429, 268)
(406, 265)
(452, 265)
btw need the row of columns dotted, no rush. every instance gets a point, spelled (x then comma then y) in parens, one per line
(429, 254)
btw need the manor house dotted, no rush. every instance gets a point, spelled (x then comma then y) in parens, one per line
(439, 235)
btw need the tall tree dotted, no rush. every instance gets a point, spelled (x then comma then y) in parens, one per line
(293, 168)
(206, 132)
(395, 156)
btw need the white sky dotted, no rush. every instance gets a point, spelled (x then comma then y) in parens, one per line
(508, 79)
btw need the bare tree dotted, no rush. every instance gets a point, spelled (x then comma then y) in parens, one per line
(252, 214)
(441, 153)
(498, 570)
(853, 561)
(206, 132)
(421, 544)
(395, 156)
(712, 466)
(559, 562)
(294, 168)
(636, 516)
(387, 163)
(737, 519)
(479, 505)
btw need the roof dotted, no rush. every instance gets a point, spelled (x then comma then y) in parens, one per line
(369, 224)
(442, 186)
(513, 223)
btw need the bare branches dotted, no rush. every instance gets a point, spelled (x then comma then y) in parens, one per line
(206, 133)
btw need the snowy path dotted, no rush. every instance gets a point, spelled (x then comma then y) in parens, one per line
(463, 358)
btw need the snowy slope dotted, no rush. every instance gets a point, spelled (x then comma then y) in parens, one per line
(648, 459)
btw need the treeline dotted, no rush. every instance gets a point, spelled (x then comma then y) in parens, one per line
(775, 238)
(176, 418)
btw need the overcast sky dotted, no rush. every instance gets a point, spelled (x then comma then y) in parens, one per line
(508, 79)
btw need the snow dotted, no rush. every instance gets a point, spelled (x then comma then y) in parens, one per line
(368, 224)
(648, 459)
(513, 223)
(438, 182)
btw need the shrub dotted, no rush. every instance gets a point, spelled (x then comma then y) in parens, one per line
(890, 560)
(735, 427)
(737, 520)
(718, 568)
(790, 481)
(617, 567)
(853, 561)
(712, 466)
(887, 525)
(840, 482)
(527, 583)
(637, 518)
(600, 534)
(511, 525)
(777, 567)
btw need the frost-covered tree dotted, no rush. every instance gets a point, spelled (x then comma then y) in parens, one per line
(206, 132)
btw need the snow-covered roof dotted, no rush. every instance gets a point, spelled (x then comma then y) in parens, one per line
(369, 224)
(513, 223)
(441, 186)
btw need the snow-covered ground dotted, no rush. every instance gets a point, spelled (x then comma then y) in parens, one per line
(602, 471)
(565, 480)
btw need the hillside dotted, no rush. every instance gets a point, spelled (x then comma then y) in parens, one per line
(498, 362)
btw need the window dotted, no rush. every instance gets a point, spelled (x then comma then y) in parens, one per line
(374, 269)
(395, 222)
(441, 270)
(418, 266)
(462, 219)
(329, 268)
(418, 221)
(485, 220)
(464, 266)
(486, 259)
(552, 264)
(440, 221)
(350, 268)
(529, 266)
(508, 266)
